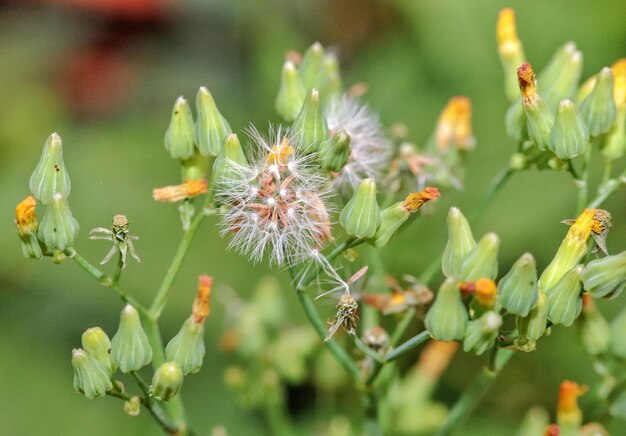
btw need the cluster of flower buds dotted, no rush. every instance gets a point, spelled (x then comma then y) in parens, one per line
(50, 185)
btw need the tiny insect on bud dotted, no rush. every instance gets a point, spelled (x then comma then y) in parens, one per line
(481, 333)
(310, 128)
(460, 243)
(211, 126)
(539, 118)
(519, 292)
(130, 347)
(595, 332)
(180, 135)
(335, 151)
(291, 92)
(447, 318)
(132, 407)
(96, 342)
(618, 338)
(312, 67)
(510, 49)
(568, 414)
(27, 225)
(482, 261)
(50, 176)
(598, 108)
(167, 381)
(58, 228)
(563, 299)
(175, 193)
(533, 326)
(605, 277)
(570, 136)
(361, 216)
(91, 378)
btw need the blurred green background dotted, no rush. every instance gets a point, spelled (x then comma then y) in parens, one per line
(104, 74)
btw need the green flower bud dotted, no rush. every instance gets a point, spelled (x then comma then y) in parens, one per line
(312, 68)
(482, 261)
(539, 118)
(361, 216)
(291, 92)
(50, 176)
(447, 318)
(615, 141)
(90, 377)
(569, 137)
(187, 347)
(332, 80)
(515, 121)
(559, 79)
(180, 135)
(481, 333)
(595, 333)
(535, 422)
(310, 127)
(618, 338)
(96, 342)
(58, 228)
(598, 108)
(211, 126)
(510, 50)
(167, 381)
(533, 326)
(518, 289)
(27, 225)
(563, 299)
(230, 156)
(606, 277)
(518, 161)
(130, 348)
(460, 243)
(335, 151)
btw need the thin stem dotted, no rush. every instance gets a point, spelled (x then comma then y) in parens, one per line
(416, 340)
(402, 327)
(371, 426)
(606, 189)
(608, 167)
(118, 395)
(582, 181)
(474, 393)
(367, 350)
(153, 406)
(497, 184)
(118, 269)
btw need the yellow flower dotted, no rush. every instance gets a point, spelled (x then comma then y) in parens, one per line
(25, 217)
(202, 304)
(455, 125)
(172, 194)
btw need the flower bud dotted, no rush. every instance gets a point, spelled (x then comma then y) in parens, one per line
(595, 333)
(361, 216)
(58, 228)
(130, 348)
(511, 51)
(310, 127)
(598, 108)
(533, 326)
(291, 92)
(311, 69)
(568, 414)
(27, 225)
(229, 158)
(518, 161)
(50, 176)
(559, 79)
(518, 288)
(606, 277)
(96, 342)
(538, 117)
(535, 422)
(335, 151)
(481, 333)
(90, 377)
(454, 127)
(132, 407)
(569, 137)
(447, 317)
(211, 126)
(332, 76)
(618, 338)
(180, 135)
(482, 261)
(615, 141)
(563, 299)
(187, 347)
(394, 216)
(167, 381)
(175, 193)
(460, 243)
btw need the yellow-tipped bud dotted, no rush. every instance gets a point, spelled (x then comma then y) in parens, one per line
(510, 49)
(539, 118)
(27, 225)
(568, 414)
(172, 194)
(454, 128)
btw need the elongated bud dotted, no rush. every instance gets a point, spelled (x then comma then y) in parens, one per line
(394, 216)
(130, 348)
(58, 228)
(291, 92)
(180, 135)
(211, 126)
(335, 151)
(533, 326)
(454, 127)
(447, 318)
(598, 108)
(606, 277)
(595, 333)
(90, 377)
(312, 68)
(563, 299)
(539, 118)
(570, 136)
(559, 79)
(615, 141)
(568, 414)
(167, 381)
(50, 176)
(310, 127)
(460, 243)
(332, 76)
(230, 157)
(187, 347)
(361, 216)
(96, 342)
(175, 193)
(481, 333)
(573, 247)
(27, 225)
(618, 338)
(519, 292)
(511, 51)
(482, 261)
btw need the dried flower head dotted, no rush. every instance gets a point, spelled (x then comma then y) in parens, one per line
(202, 303)
(277, 204)
(346, 316)
(121, 238)
(172, 194)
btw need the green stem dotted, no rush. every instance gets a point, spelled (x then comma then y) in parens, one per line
(474, 393)
(416, 340)
(367, 350)
(118, 270)
(497, 184)
(153, 406)
(606, 189)
(582, 181)
(371, 426)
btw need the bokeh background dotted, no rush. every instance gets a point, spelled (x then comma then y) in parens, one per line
(104, 74)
